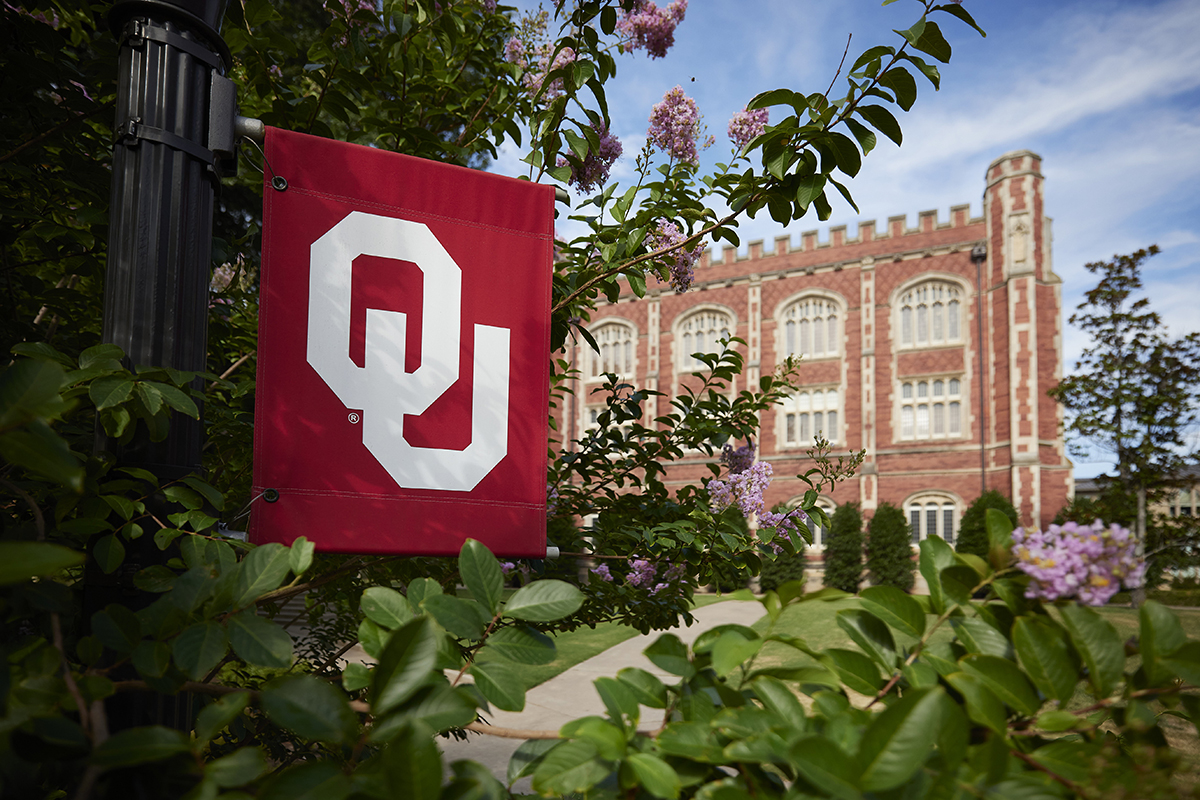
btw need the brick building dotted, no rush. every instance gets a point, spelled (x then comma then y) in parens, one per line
(903, 355)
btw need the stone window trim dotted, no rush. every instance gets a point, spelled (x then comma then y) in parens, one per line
(618, 341)
(803, 326)
(936, 513)
(806, 412)
(698, 330)
(929, 312)
(930, 408)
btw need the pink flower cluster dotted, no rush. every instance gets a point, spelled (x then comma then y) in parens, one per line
(738, 460)
(602, 572)
(747, 125)
(682, 261)
(536, 74)
(676, 128)
(651, 28)
(784, 524)
(641, 574)
(744, 488)
(1089, 562)
(593, 173)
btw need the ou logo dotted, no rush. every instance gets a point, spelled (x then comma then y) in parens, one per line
(381, 388)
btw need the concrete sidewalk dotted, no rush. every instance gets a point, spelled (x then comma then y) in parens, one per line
(571, 695)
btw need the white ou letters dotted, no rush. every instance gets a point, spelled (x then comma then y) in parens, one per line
(381, 388)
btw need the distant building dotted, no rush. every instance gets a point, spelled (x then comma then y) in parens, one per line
(943, 384)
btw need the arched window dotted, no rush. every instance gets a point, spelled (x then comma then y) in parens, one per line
(930, 315)
(618, 349)
(701, 332)
(810, 328)
(808, 414)
(931, 408)
(932, 515)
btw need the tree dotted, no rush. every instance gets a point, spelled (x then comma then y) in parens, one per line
(844, 550)
(1135, 389)
(972, 530)
(889, 548)
(785, 567)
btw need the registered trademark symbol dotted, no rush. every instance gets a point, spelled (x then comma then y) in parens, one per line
(353, 417)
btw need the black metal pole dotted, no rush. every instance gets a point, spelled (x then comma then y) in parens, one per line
(174, 134)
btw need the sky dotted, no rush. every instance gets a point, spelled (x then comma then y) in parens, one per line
(1108, 93)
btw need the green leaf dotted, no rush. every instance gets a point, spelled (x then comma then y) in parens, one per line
(979, 637)
(899, 740)
(526, 758)
(982, 704)
(109, 553)
(1047, 659)
(544, 601)
(936, 555)
(962, 14)
(300, 556)
(405, 665)
(372, 638)
(315, 780)
(608, 738)
(731, 651)
(779, 700)
(849, 160)
(500, 684)
(901, 82)
(260, 641)
(1184, 662)
(217, 716)
(21, 561)
(29, 390)
(1097, 642)
(150, 397)
(869, 633)
(413, 764)
(1057, 721)
(151, 658)
(472, 781)
(857, 670)
(958, 582)
(177, 400)
(387, 607)
(117, 627)
(140, 746)
(809, 188)
(110, 391)
(646, 688)
(439, 706)
(670, 655)
(1005, 679)
(1070, 759)
(481, 573)
(572, 767)
(933, 43)
(999, 530)
(1160, 634)
(896, 608)
(200, 648)
(618, 699)
(826, 766)
(522, 644)
(238, 768)
(655, 775)
(310, 708)
(462, 618)
(37, 448)
(356, 676)
(215, 498)
(262, 571)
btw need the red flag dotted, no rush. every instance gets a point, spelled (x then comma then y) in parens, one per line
(403, 353)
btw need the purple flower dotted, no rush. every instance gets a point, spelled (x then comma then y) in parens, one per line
(593, 173)
(602, 572)
(682, 260)
(514, 51)
(651, 28)
(783, 523)
(536, 75)
(675, 127)
(641, 573)
(746, 125)
(658, 587)
(1089, 562)
(738, 460)
(507, 567)
(744, 488)
(551, 498)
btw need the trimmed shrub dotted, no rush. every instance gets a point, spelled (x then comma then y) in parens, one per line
(844, 550)
(972, 531)
(889, 548)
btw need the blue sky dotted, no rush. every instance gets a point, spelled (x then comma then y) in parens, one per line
(1108, 93)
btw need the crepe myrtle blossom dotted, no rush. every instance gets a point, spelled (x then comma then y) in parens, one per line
(650, 28)
(676, 127)
(745, 489)
(602, 572)
(747, 125)
(593, 173)
(738, 460)
(682, 260)
(641, 574)
(536, 75)
(1088, 562)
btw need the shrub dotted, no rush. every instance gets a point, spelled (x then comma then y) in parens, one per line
(972, 531)
(785, 567)
(844, 550)
(889, 548)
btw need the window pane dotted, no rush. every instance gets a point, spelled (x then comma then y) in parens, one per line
(922, 421)
(922, 324)
(922, 389)
(906, 333)
(804, 401)
(914, 521)
(931, 515)
(824, 536)
(805, 436)
(805, 344)
(938, 387)
(818, 338)
(939, 419)
(831, 422)
(790, 329)
(628, 356)
(790, 436)
(955, 422)
(818, 424)
(688, 349)
(906, 391)
(937, 322)
(954, 386)
(832, 344)
(948, 524)
(906, 422)
(952, 321)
